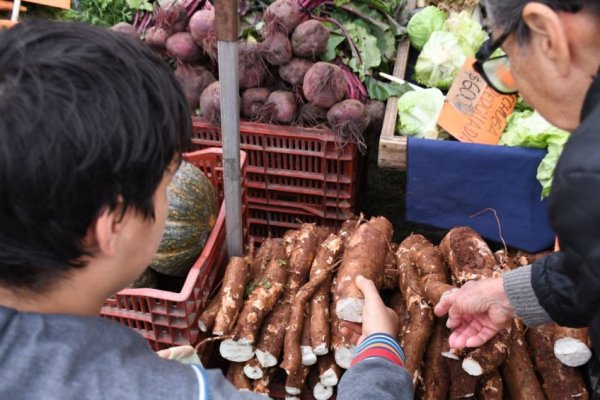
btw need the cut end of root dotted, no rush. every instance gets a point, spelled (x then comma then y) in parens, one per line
(266, 359)
(452, 354)
(253, 372)
(236, 351)
(350, 309)
(472, 367)
(329, 378)
(321, 349)
(308, 357)
(343, 356)
(292, 391)
(322, 392)
(572, 352)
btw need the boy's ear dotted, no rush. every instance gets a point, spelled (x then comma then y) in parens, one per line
(106, 230)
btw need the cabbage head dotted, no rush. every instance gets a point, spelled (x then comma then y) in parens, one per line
(423, 24)
(440, 61)
(418, 112)
(469, 32)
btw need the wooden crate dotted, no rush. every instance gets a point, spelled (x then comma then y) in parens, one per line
(392, 149)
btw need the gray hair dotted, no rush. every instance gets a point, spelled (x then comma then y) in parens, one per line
(506, 15)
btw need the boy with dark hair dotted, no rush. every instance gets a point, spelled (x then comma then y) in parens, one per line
(92, 126)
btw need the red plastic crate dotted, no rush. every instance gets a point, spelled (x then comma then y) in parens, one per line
(169, 319)
(273, 221)
(293, 166)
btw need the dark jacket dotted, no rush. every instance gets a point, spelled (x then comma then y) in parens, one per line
(567, 284)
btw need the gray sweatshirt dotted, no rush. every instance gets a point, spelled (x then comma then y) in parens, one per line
(66, 357)
(517, 285)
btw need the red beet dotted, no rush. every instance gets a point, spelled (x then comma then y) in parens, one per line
(181, 46)
(194, 80)
(253, 101)
(172, 17)
(294, 71)
(280, 108)
(126, 29)
(282, 16)
(202, 29)
(376, 111)
(252, 68)
(276, 49)
(156, 38)
(325, 84)
(210, 102)
(310, 39)
(349, 119)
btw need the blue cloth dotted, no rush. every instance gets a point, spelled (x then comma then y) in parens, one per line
(449, 182)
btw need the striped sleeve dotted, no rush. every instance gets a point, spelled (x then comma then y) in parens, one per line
(202, 390)
(380, 345)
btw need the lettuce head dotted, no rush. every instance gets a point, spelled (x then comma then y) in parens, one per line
(440, 61)
(418, 112)
(529, 129)
(469, 32)
(423, 24)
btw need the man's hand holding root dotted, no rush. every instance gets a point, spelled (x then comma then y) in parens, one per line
(476, 312)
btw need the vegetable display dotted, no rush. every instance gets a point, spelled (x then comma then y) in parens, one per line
(319, 267)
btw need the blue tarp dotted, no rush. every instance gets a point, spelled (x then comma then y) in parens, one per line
(458, 184)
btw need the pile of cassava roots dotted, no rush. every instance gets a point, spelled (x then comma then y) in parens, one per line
(279, 308)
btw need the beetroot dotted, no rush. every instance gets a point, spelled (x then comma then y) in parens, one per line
(324, 84)
(125, 28)
(349, 119)
(280, 108)
(210, 102)
(252, 68)
(202, 29)
(294, 71)
(376, 111)
(181, 46)
(276, 49)
(156, 38)
(253, 101)
(310, 39)
(193, 80)
(282, 16)
(311, 116)
(172, 17)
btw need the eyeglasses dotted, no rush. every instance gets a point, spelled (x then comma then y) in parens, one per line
(495, 70)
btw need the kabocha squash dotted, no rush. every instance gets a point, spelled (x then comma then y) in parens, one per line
(192, 213)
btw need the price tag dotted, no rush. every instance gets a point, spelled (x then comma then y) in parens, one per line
(474, 112)
(66, 4)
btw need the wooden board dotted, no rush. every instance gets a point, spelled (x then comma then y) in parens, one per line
(392, 149)
(66, 4)
(8, 6)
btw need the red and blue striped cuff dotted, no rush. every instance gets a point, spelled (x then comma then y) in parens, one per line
(380, 345)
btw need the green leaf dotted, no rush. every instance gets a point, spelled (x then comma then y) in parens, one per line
(332, 44)
(367, 46)
(379, 90)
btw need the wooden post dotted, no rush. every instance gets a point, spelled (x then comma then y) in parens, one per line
(226, 18)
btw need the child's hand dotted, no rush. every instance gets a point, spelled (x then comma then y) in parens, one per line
(377, 318)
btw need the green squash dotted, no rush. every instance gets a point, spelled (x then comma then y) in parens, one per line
(192, 214)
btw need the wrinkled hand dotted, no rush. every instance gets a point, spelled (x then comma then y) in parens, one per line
(377, 318)
(476, 312)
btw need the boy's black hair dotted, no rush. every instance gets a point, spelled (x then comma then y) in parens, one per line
(86, 115)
